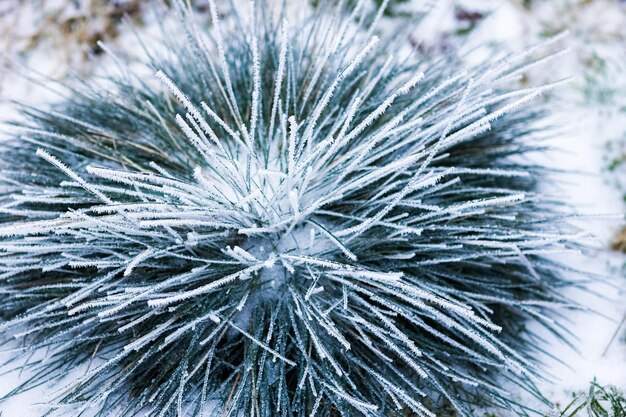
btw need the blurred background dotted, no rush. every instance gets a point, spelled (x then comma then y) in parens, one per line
(44, 41)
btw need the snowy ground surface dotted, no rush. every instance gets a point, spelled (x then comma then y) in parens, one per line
(586, 113)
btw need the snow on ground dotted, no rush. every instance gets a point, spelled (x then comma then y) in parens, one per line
(580, 149)
(586, 119)
(587, 122)
(600, 206)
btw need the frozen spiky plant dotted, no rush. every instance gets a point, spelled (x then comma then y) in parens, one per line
(297, 219)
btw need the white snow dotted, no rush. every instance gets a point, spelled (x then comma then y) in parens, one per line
(579, 150)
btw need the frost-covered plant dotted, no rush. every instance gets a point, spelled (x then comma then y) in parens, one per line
(598, 401)
(302, 219)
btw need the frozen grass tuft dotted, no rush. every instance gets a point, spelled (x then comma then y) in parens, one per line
(296, 219)
(598, 401)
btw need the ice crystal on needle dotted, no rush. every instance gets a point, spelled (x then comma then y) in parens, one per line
(300, 219)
